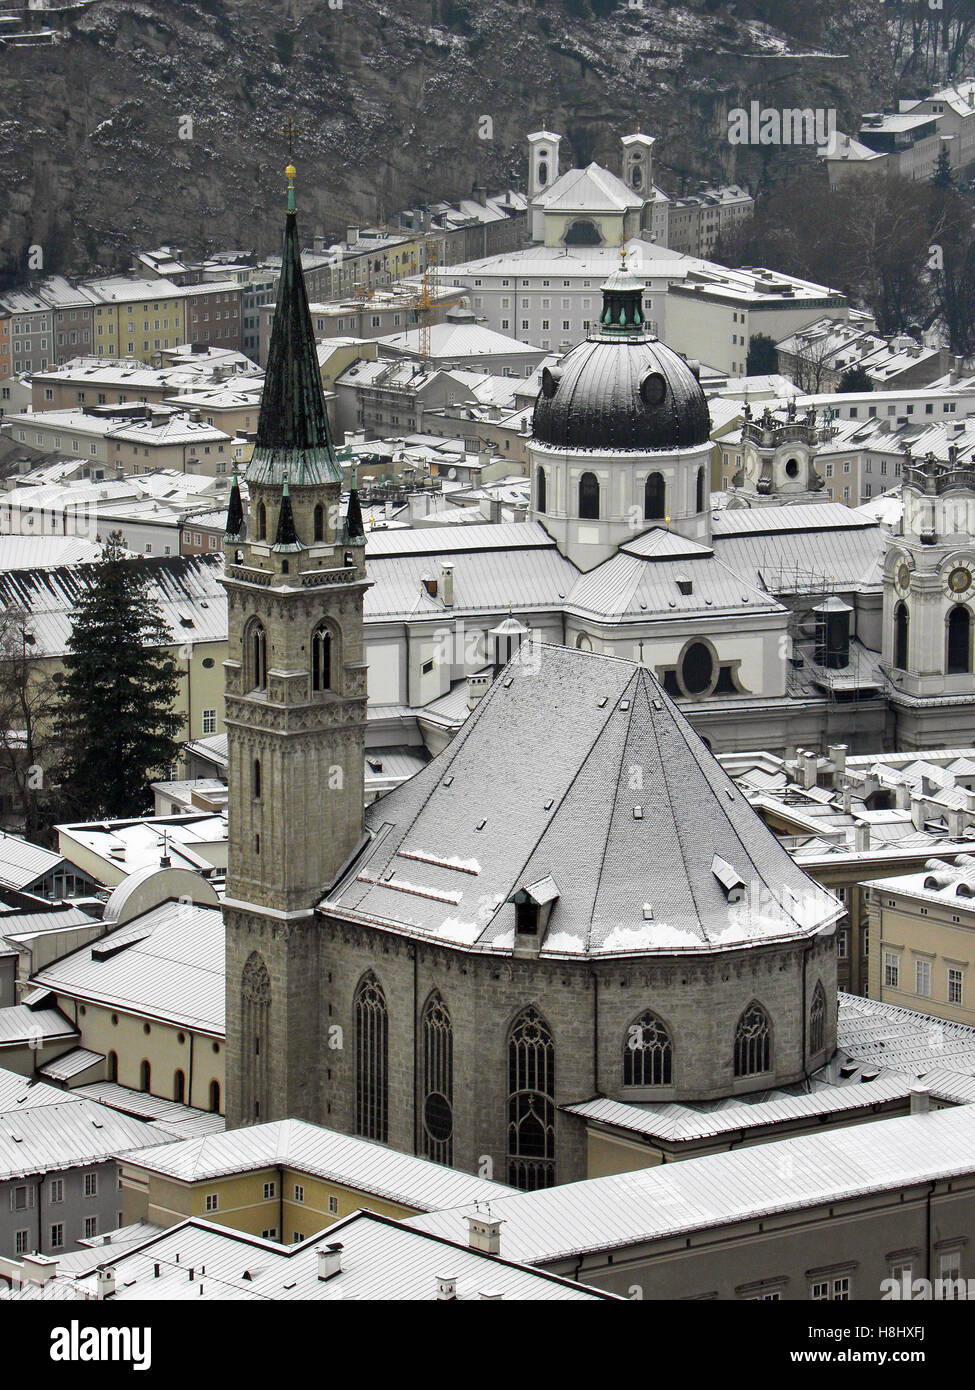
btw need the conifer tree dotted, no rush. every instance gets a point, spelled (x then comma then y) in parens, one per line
(116, 726)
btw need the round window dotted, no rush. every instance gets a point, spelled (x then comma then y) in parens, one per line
(208, 663)
(550, 382)
(697, 669)
(653, 388)
(792, 468)
(437, 1117)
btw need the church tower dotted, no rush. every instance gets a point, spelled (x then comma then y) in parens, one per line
(295, 689)
(929, 592)
(778, 460)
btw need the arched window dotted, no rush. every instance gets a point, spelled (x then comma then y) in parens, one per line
(700, 490)
(261, 522)
(215, 1097)
(531, 1103)
(179, 1087)
(589, 497)
(655, 498)
(959, 641)
(697, 668)
(371, 1060)
(319, 522)
(145, 1077)
(583, 232)
(753, 1042)
(438, 1081)
(901, 630)
(255, 656)
(817, 1021)
(111, 1066)
(257, 778)
(542, 174)
(541, 489)
(321, 659)
(255, 1016)
(648, 1053)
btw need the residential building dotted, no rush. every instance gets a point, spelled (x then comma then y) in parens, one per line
(129, 438)
(136, 318)
(461, 342)
(695, 222)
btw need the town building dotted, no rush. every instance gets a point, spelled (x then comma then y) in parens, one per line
(129, 438)
(908, 143)
(591, 206)
(695, 222)
(817, 356)
(461, 342)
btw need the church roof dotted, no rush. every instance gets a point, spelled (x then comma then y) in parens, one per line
(578, 767)
(593, 189)
(293, 437)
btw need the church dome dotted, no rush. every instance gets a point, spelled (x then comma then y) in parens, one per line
(621, 388)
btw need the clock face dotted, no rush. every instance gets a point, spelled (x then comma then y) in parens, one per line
(960, 580)
(903, 576)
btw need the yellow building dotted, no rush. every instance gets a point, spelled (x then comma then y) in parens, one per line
(922, 939)
(287, 1180)
(137, 318)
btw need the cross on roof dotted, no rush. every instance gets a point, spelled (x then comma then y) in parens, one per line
(291, 132)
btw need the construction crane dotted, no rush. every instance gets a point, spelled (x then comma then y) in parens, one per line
(422, 304)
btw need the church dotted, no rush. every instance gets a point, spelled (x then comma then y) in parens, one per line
(535, 917)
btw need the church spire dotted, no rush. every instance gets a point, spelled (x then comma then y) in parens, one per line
(293, 437)
(354, 529)
(286, 537)
(235, 514)
(622, 313)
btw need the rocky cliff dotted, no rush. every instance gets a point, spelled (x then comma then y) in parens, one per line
(147, 121)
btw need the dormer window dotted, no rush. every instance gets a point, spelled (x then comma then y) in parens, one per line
(526, 917)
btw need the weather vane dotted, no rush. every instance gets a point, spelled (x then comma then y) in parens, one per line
(291, 133)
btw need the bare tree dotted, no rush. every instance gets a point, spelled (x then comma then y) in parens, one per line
(26, 707)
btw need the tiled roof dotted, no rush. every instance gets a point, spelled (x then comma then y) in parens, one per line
(635, 869)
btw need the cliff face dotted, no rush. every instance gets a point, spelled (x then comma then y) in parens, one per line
(149, 121)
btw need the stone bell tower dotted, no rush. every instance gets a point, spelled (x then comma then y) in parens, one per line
(295, 714)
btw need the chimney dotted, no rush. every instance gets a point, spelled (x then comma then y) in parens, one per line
(917, 811)
(447, 582)
(105, 1282)
(920, 1100)
(862, 837)
(477, 686)
(446, 1288)
(318, 243)
(810, 769)
(484, 1234)
(902, 796)
(330, 1261)
(490, 1293)
(846, 798)
(38, 1269)
(837, 756)
(956, 823)
(494, 505)
(351, 236)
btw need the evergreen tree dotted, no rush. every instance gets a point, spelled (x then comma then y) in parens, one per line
(942, 176)
(115, 717)
(762, 360)
(854, 379)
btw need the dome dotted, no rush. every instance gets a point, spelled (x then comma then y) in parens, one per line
(621, 393)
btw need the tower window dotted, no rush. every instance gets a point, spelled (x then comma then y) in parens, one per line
(654, 498)
(817, 1021)
(959, 641)
(901, 631)
(255, 1000)
(261, 522)
(540, 490)
(257, 778)
(321, 659)
(700, 490)
(371, 1060)
(589, 497)
(255, 656)
(319, 522)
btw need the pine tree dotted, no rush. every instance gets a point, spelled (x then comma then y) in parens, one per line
(115, 717)
(942, 176)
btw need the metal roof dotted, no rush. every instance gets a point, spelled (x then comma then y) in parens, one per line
(381, 1259)
(163, 1116)
(451, 846)
(630, 586)
(434, 540)
(649, 1204)
(533, 578)
(324, 1153)
(71, 1063)
(52, 1137)
(22, 863)
(172, 969)
(21, 1026)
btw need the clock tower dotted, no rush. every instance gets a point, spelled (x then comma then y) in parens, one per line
(295, 692)
(929, 587)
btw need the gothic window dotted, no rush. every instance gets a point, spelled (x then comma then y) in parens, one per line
(648, 1053)
(438, 1081)
(753, 1042)
(255, 656)
(145, 1077)
(261, 522)
(540, 490)
(531, 1103)
(179, 1087)
(817, 1021)
(319, 522)
(589, 497)
(700, 490)
(255, 1016)
(371, 1060)
(257, 778)
(321, 659)
(959, 641)
(654, 498)
(901, 630)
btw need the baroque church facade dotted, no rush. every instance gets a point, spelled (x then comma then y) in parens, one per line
(534, 918)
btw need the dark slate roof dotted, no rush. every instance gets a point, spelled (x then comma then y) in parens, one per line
(539, 782)
(293, 437)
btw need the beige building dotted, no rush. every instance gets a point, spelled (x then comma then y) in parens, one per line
(129, 438)
(922, 930)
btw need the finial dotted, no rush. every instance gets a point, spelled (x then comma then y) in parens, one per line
(290, 131)
(291, 171)
(623, 257)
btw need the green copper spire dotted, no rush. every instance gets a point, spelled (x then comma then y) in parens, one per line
(287, 536)
(235, 513)
(622, 312)
(293, 437)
